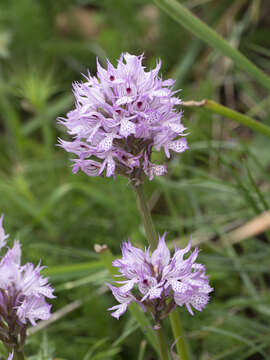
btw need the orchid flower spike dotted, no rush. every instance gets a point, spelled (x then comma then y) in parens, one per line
(23, 293)
(121, 115)
(159, 282)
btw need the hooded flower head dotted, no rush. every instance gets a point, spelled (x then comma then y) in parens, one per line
(120, 116)
(152, 280)
(23, 293)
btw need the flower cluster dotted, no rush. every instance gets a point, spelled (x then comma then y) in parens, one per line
(120, 116)
(160, 282)
(22, 295)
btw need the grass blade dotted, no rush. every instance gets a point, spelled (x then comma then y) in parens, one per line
(231, 114)
(193, 24)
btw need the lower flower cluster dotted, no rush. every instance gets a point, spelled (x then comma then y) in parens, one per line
(23, 293)
(159, 282)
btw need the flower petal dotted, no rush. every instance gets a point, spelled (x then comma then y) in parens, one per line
(120, 310)
(161, 256)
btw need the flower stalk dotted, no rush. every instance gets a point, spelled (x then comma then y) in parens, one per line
(152, 239)
(162, 344)
(146, 217)
(18, 355)
(178, 335)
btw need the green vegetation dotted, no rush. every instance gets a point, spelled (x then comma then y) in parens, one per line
(221, 183)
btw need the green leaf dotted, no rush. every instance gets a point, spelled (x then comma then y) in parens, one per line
(72, 270)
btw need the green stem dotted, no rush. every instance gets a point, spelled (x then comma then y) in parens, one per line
(178, 335)
(231, 114)
(152, 239)
(18, 355)
(240, 118)
(193, 24)
(142, 350)
(143, 207)
(162, 344)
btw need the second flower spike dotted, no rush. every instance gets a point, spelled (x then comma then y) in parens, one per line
(23, 296)
(159, 282)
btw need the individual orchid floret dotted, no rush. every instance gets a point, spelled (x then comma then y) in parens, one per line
(121, 116)
(159, 282)
(23, 293)
(124, 299)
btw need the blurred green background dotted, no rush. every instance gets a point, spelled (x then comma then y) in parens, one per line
(218, 185)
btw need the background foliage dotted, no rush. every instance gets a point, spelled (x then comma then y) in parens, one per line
(218, 185)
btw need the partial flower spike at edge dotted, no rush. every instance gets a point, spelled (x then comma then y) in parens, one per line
(23, 293)
(121, 115)
(159, 282)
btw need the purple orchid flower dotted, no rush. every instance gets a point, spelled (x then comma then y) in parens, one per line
(160, 282)
(23, 293)
(120, 117)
